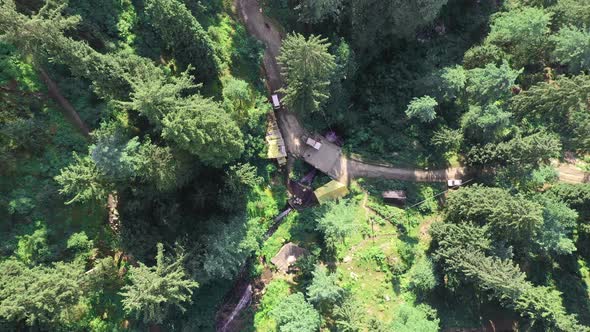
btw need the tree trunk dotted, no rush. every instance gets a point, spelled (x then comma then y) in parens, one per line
(67, 109)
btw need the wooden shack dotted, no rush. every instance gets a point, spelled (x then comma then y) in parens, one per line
(394, 197)
(287, 256)
(274, 139)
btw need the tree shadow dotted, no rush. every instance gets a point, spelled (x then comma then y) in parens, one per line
(568, 280)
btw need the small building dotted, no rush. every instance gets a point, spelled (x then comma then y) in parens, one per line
(276, 102)
(287, 256)
(394, 197)
(274, 139)
(330, 191)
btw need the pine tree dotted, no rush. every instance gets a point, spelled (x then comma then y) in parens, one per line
(154, 290)
(316, 11)
(294, 314)
(510, 217)
(182, 34)
(337, 223)
(572, 48)
(323, 290)
(422, 108)
(522, 33)
(41, 295)
(307, 67)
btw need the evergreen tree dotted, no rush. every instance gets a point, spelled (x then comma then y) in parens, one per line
(522, 32)
(43, 36)
(375, 22)
(154, 290)
(350, 316)
(491, 83)
(323, 290)
(183, 36)
(41, 295)
(193, 123)
(501, 278)
(315, 11)
(571, 12)
(525, 152)
(572, 48)
(422, 108)
(420, 318)
(307, 67)
(511, 217)
(204, 129)
(83, 182)
(337, 223)
(294, 314)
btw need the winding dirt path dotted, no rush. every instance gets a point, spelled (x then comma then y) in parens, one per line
(329, 159)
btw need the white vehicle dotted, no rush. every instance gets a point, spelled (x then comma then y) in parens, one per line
(454, 183)
(313, 143)
(276, 102)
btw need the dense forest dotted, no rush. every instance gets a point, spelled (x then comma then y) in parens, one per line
(136, 193)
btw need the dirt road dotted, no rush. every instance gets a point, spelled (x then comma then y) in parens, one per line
(338, 166)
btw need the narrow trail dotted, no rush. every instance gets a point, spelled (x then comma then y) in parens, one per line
(329, 159)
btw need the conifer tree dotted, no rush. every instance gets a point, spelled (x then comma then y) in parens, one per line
(307, 67)
(154, 290)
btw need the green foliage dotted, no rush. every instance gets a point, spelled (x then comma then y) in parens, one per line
(422, 108)
(276, 291)
(33, 248)
(227, 248)
(82, 181)
(241, 177)
(337, 223)
(307, 67)
(80, 245)
(559, 223)
(422, 277)
(522, 32)
(511, 217)
(491, 83)
(574, 12)
(411, 318)
(487, 122)
(572, 48)
(375, 22)
(576, 196)
(202, 128)
(41, 295)
(481, 55)
(314, 11)
(238, 99)
(154, 290)
(183, 36)
(558, 105)
(524, 152)
(447, 139)
(350, 316)
(323, 290)
(294, 314)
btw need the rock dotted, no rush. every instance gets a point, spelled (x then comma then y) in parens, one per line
(347, 259)
(387, 298)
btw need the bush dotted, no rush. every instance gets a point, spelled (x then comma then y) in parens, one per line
(422, 277)
(276, 291)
